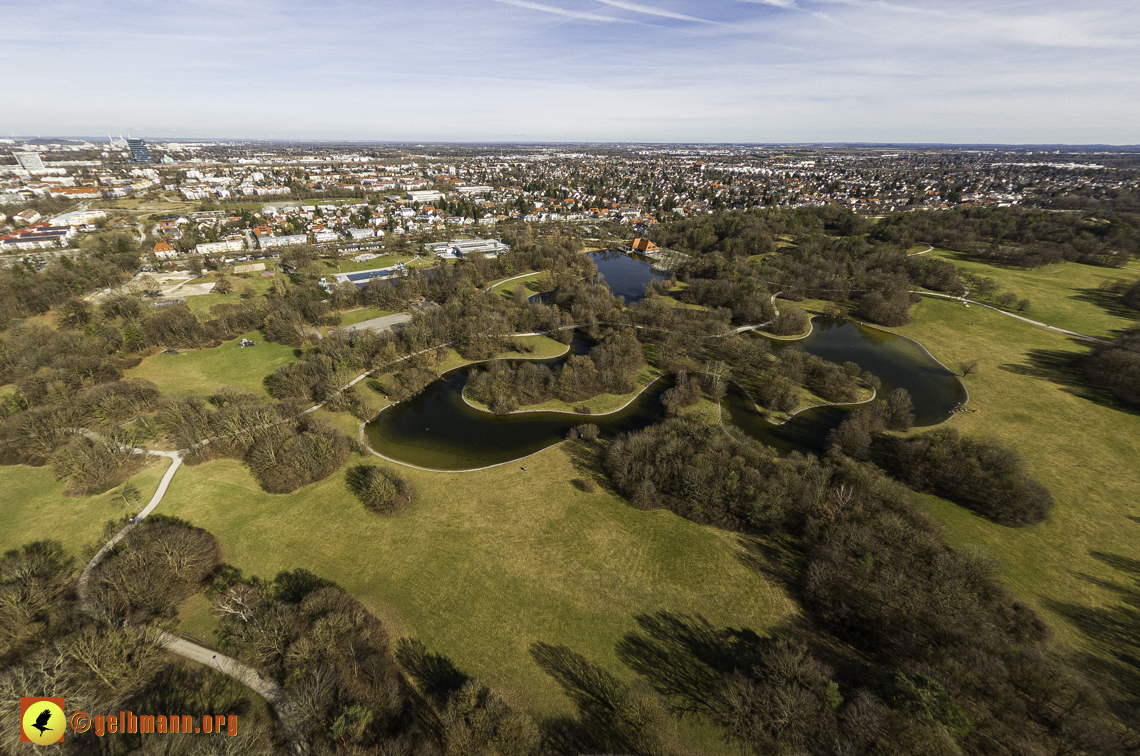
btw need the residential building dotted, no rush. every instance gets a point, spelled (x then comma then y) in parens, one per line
(163, 251)
(269, 242)
(230, 245)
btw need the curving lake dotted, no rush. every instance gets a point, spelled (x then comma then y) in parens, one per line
(438, 430)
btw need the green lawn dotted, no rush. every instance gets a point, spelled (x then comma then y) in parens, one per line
(1080, 566)
(1065, 295)
(486, 563)
(203, 302)
(205, 370)
(33, 506)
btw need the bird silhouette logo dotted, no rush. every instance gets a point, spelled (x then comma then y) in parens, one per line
(41, 720)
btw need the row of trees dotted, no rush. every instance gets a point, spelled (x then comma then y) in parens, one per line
(1020, 237)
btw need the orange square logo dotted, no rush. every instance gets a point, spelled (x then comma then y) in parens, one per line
(42, 720)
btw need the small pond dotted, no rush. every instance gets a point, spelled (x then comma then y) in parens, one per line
(625, 274)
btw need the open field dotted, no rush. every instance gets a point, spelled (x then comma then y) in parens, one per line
(1079, 567)
(35, 508)
(205, 370)
(202, 303)
(1066, 295)
(486, 563)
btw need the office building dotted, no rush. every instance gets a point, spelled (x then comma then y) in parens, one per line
(29, 161)
(139, 151)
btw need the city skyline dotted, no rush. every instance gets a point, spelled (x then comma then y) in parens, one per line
(779, 71)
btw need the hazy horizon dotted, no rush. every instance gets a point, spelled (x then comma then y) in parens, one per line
(579, 71)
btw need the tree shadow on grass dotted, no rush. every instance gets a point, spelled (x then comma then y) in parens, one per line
(1114, 630)
(612, 716)
(1107, 301)
(683, 656)
(589, 461)
(1063, 369)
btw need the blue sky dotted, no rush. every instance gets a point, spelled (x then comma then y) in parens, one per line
(1036, 71)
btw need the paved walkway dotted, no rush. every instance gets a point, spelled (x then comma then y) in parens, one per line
(384, 323)
(273, 693)
(1037, 323)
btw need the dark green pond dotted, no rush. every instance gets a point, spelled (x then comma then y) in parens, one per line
(438, 430)
(626, 275)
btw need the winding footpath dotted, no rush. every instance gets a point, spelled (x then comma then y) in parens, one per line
(268, 689)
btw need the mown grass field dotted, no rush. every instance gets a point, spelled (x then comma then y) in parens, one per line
(1066, 295)
(486, 563)
(205, 370)
(33, 507)
(1081, 567)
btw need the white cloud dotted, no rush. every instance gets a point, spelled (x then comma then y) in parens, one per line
(580, 15)
(652, 11)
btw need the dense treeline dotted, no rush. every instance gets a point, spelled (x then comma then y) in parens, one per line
(284, 448)
(609, 368)
(874, 272)
(1021, 237)
(24, 292)
(980, 473)
(950, 662)
(1115, 367)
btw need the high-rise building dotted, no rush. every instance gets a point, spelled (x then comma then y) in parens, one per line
(29, 161)
(139, 151)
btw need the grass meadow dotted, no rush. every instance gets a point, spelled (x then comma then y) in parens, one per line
(1066, 295)
(205, 370)
(1080, 568)
(486, 563)
(34, 507)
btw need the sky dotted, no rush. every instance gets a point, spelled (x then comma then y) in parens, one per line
(651, 71)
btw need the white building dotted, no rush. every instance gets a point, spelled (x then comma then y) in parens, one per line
(269, 242)
(361, 233)
(230, 245)
(426, 195)
(322, 237)
(30, 161)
